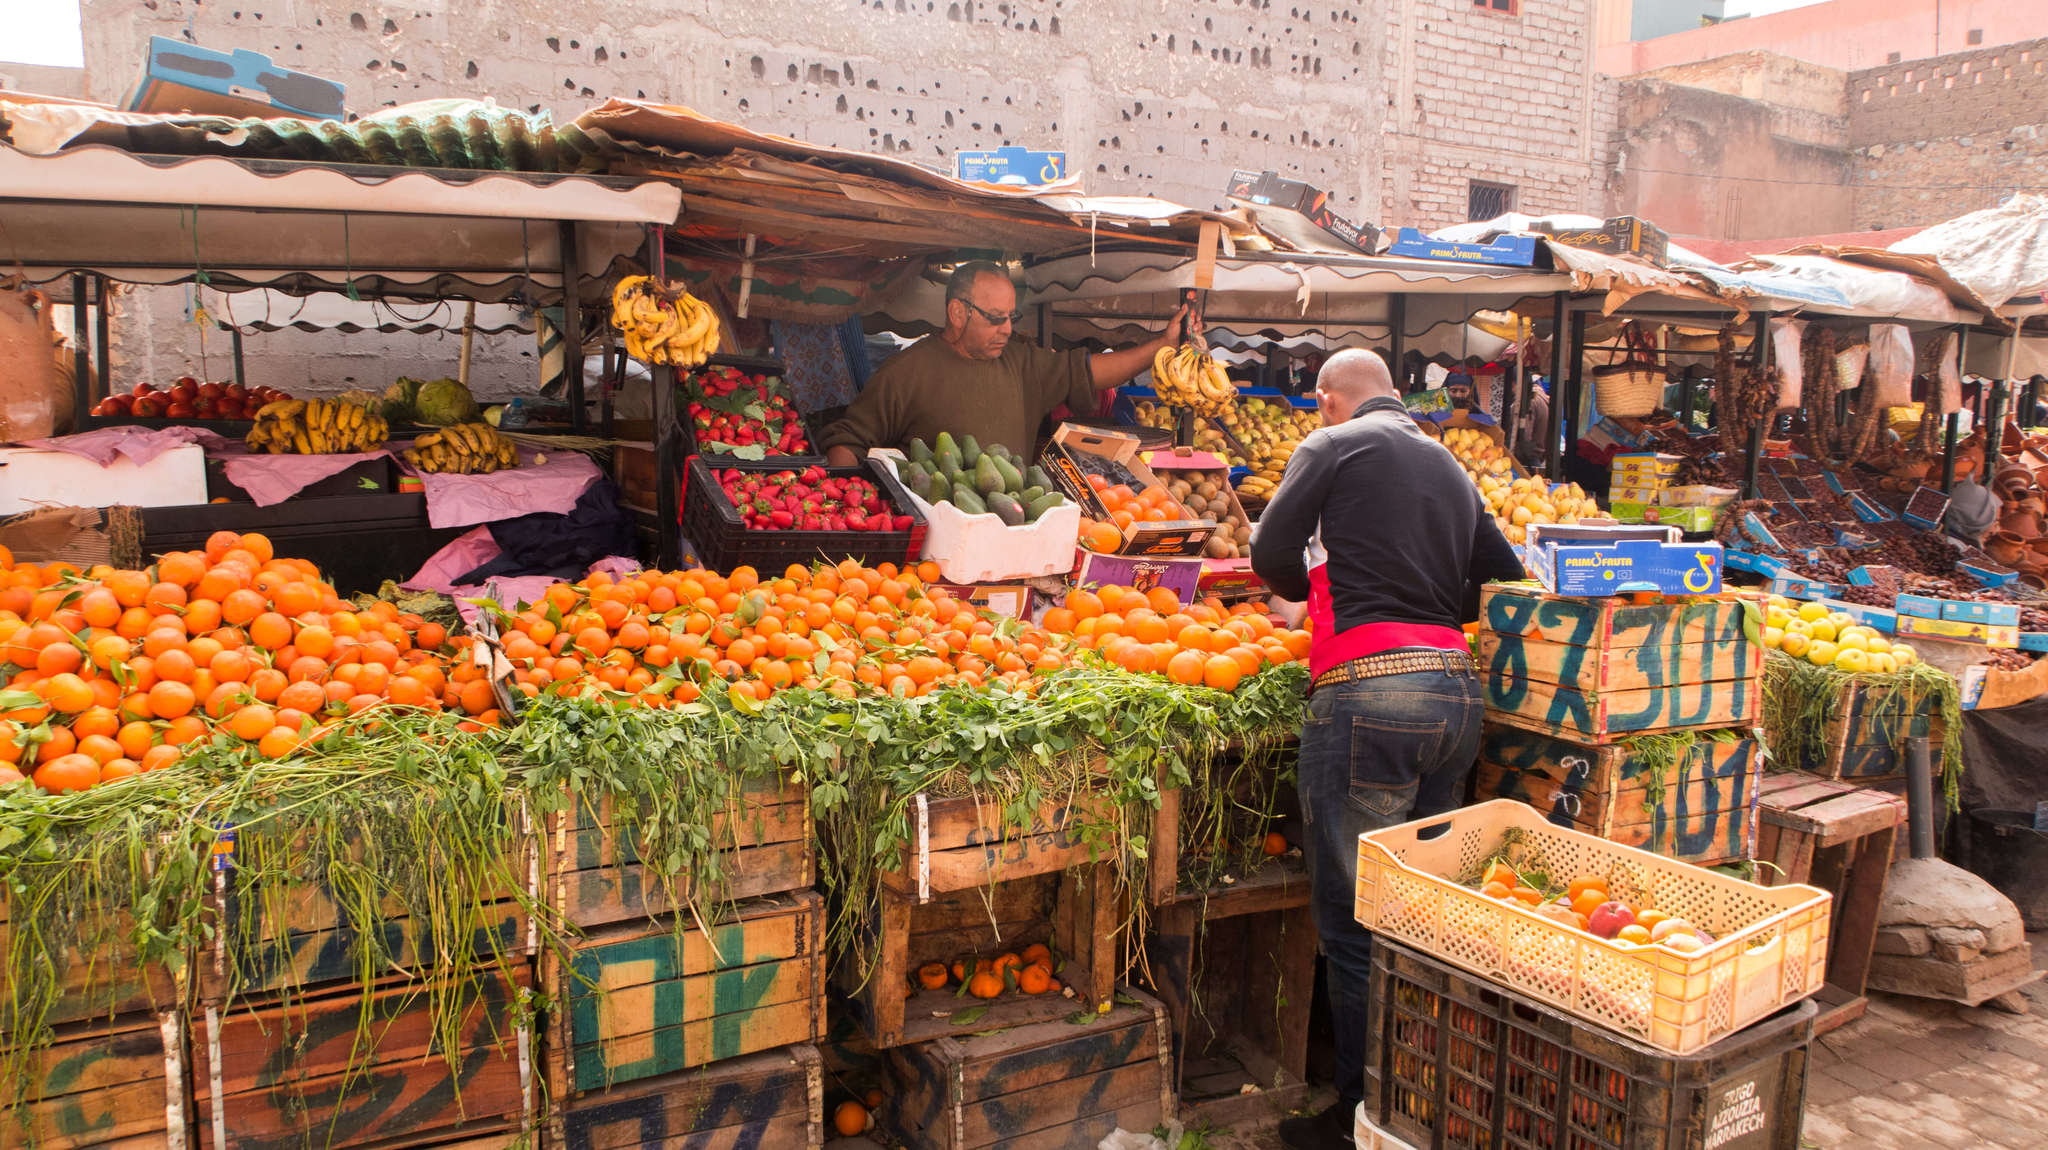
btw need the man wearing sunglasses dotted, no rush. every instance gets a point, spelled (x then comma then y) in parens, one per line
(973, 379)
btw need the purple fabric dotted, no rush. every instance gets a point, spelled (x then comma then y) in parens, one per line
(552, 487)
(138, 444)
(272, 479)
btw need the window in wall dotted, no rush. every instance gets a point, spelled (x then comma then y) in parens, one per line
(1976, 36)
(1484, 201)
(1504, 7)
(1891, 58)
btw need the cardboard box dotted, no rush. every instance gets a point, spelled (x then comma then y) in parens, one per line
(1646, 464)
(1620, 235)
(1229, 579)
(1875, 618)
(1010, 165)
(1012, 600)
(1926, 509)
(181, 77)
(1970, 611)
(1916, 627)
(1426, 402)
(1867, 575)
(1635, 493)
(1698, 495)
(1754, 525)
(2033, 641)
(1165, 463)
(1693, 520)
(1972, 684)
(1511, 251)
(1581, 559)
(1181, 576)
(1867, 510)
(1918, 606)
(1986, 574)
(31, 477)
(1271, 190)
(1804, 588)
(1063, 460)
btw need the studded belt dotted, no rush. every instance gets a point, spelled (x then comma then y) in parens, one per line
(1405, 661)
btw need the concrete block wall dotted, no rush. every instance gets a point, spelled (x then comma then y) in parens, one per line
(1936, 138)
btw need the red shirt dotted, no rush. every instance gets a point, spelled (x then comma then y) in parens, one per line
(1329, 647)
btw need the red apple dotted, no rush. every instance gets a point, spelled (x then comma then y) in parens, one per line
(1608, 918)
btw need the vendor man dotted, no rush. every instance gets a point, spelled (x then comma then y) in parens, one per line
(1401, 542)
(973, 379)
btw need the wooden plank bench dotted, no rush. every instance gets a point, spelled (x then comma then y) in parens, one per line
(1235, 969)
(1049, 1085)
(1838, 837)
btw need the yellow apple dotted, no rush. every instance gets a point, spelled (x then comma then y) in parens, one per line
(1821, 652)
(1854, 660)
(1773, 636)
(1852, 640)
(1822, 629)
(1812, 612)
(1904, 654)
(1794, 643)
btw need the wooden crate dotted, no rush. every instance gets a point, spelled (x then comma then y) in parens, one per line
(363, 1067)
(1706, 814)
(1602, 669)
(1165, 850)
(1864, 734)
(1074, 913)
(1839, 838)
(595, 876)
(100, 978)
(118, 1083)
(299, 938)
(638, 1001)
(774, 1100)
(1235, 970)
(1047, 1085)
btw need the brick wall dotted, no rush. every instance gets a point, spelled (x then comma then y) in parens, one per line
(1932, 139)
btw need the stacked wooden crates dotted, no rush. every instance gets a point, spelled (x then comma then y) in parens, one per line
(1020, 1069)
(114, 1074)
(308, 1030)
(1573, 684)
(684, 1016)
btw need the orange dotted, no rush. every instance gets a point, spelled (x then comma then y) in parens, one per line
(1588, 900)
(1038, 954)
(1584, 883)
(932, 975)
(58, 658)
(984, 984)
(277, 743)
(252, 722)
(71, 772)
(114, 769)
(850, 1120)
(136, 737)
(1222, 672)
(1495, 890)
(1034, 979)
(1502, 873)
(170, 699)
(99, 748)
(1275, 844)
(66, 693)
(96, 721)
(1528, 894)
(1634, 932)
(160, 756)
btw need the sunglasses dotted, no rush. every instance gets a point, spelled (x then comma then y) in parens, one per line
(995, 318)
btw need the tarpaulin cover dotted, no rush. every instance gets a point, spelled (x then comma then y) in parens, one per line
(2002, 750)
(2000, 253)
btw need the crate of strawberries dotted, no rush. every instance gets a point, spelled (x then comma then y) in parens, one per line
(769, 514)
(733, 411)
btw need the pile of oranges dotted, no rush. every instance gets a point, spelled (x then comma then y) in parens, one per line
(1126, 507)
(114, 672)
(1148, 631)
(1029, 972)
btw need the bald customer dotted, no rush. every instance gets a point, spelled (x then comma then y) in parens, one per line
(1388, 541)
(972, 378)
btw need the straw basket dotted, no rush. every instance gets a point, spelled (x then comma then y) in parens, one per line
(1627, 389)
(1770, 949)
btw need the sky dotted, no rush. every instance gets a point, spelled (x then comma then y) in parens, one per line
(1763, 7)
(41, 32)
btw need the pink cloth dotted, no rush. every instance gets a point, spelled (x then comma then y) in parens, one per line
(552, 487)
(272, 479)
(461, 555)
(138, 444)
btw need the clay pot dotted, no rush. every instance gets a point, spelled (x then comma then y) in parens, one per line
(2034, 579)
(1913, 471)
(2019, 522)
(2011, 480)
(2006, 547)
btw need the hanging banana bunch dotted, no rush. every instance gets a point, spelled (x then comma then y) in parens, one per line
(464, 449)
(1188, 376)
(316, 427)
(662, 324)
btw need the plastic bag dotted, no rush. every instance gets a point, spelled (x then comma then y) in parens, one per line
(1891, 363)
(1786, 335)
(1951, 378)
(1849, 366)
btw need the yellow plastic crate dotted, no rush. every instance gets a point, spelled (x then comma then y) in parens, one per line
(1770, 949)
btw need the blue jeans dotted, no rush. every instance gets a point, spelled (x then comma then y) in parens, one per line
(1374, 753)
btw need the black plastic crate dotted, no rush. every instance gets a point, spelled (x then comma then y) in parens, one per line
(724, 541)
(377, 476)
(1454, 1061)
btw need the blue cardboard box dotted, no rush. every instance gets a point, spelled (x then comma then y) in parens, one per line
(1513, 251)
(1867, 575)
(1740, 561)
(1919, 606)
(1866, 510)
(1753, 525)
(2034, 640)
(1850, 541)
(1010, 165)
(181, 77)
(1580, 559)
(1804, 588)
(1988, 576)
(1926, 509)
(1876, 618)
(1994, 614)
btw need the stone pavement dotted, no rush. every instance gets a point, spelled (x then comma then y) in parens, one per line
(1916, 1073)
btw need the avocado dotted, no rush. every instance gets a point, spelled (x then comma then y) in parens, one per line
(1007, 509)
(970, 451)
(920, 482)
(944, 443)
(1042, 504)
(1035, 476)
(965, 499)
(948, 465)
(1000, 452)
(918, 452)
(1013, 479)
(987, 479)
(1030, 495)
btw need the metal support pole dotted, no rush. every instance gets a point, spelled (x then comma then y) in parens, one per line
(1397, 338)
(1507, 404)
(235, 344)
(1948, 453)
(1994, 429)
(102, 338)
(667, 501)
(572, 326)
(1552, 461)
(1752, 458)
(81, 359)
(1575, 391)
(1920, 796)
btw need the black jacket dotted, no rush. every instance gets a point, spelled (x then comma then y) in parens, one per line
(1408, 536)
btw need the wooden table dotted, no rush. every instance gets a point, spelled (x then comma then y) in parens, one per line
(1838, 837)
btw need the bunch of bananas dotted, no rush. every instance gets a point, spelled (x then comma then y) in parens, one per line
(1257, 488)
(1189, 377)
(316, 427)
(662, 324)
(464, 449)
